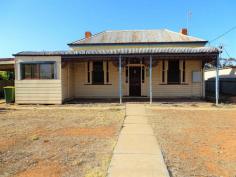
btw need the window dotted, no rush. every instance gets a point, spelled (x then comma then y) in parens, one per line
(163, 71)
(98, 73)
(107, 76)
(173, 72)
(183, 71)
(37, 71)
(88, 69)
(126, 74)
(143, 74)
(196, 76)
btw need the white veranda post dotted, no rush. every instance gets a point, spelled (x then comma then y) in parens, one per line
(150, 79)
(120, 80)
(217, 80)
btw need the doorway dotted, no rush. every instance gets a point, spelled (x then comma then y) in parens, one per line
(134, 81)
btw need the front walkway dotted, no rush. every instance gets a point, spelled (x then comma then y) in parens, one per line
(137, 153)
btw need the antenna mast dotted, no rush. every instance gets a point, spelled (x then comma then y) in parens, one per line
(189, 17)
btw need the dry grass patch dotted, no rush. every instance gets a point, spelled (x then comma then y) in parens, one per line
(58, 142)
(196, 141)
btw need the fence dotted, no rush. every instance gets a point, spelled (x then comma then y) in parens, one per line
(227, 87)
(4, 83)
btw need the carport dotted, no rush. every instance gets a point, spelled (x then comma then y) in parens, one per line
(7, 64)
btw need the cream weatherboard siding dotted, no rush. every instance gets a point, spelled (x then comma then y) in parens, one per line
(84, 89)
(187, 89)
(38, 91)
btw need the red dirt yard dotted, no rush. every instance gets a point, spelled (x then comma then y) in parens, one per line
(196, 140)
(58, 141)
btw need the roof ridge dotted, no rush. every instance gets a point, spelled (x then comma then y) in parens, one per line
(136, 30)
(184, 35)
(163, 34)
(93, 35)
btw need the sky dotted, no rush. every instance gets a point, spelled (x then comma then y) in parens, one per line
(36, 25)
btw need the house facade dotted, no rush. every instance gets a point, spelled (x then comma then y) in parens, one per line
(115, 64)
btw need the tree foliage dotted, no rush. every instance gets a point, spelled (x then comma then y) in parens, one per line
(5, 75)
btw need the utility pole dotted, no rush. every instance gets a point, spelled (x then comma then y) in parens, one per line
(217, 75)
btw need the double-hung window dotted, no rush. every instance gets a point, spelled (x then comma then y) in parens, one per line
(173, 72)
(38, 70)
(98, 73)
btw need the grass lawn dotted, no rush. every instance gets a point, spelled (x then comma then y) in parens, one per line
(58, 141)
(196, 140)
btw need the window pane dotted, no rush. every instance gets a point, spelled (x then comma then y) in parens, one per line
(107, 71)
(143, 74)
(26, 71)
(46, 71)
(98, 74)
(173, 72)
(35, 71)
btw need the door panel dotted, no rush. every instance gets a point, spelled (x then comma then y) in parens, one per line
(135, 81)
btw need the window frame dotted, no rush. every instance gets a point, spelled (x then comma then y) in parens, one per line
(37, 63)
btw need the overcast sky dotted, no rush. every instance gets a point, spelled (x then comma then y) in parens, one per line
(27, 25)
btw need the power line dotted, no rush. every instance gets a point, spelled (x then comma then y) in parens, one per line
(226, 52)
(223, 34)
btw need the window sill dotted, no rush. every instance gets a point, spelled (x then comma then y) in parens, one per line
(175, 84)
(97, 84)
(35, 79)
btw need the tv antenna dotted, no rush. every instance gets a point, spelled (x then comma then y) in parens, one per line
(189, 17)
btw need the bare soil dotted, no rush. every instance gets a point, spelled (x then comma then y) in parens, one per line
(197, 140)
(40, 141)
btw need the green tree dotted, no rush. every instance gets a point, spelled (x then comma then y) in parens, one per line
(4, 75)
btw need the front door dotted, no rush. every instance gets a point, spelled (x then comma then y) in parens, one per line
(135, 81)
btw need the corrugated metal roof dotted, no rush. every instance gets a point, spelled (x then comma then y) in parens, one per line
(137, 36)
(125, 51)
(7, 59)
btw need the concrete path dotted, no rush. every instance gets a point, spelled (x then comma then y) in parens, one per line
(137, 153)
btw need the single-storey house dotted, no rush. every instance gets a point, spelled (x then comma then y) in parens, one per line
(226, 72)
(115, 64)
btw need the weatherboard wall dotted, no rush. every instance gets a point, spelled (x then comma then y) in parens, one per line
(38, 91)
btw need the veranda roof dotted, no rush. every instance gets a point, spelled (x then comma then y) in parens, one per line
(126, 51)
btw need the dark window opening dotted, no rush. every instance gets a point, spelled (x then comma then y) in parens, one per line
(98, 73)
(107, 72)
(183, 72)
(126, 74)
(143, 74)
(37, 71)
(134, 61)
(173, 72)
(163, 70)
(88, 71)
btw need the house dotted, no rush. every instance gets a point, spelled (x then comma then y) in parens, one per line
(227, 85)
(115, 64)
(226, 72)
